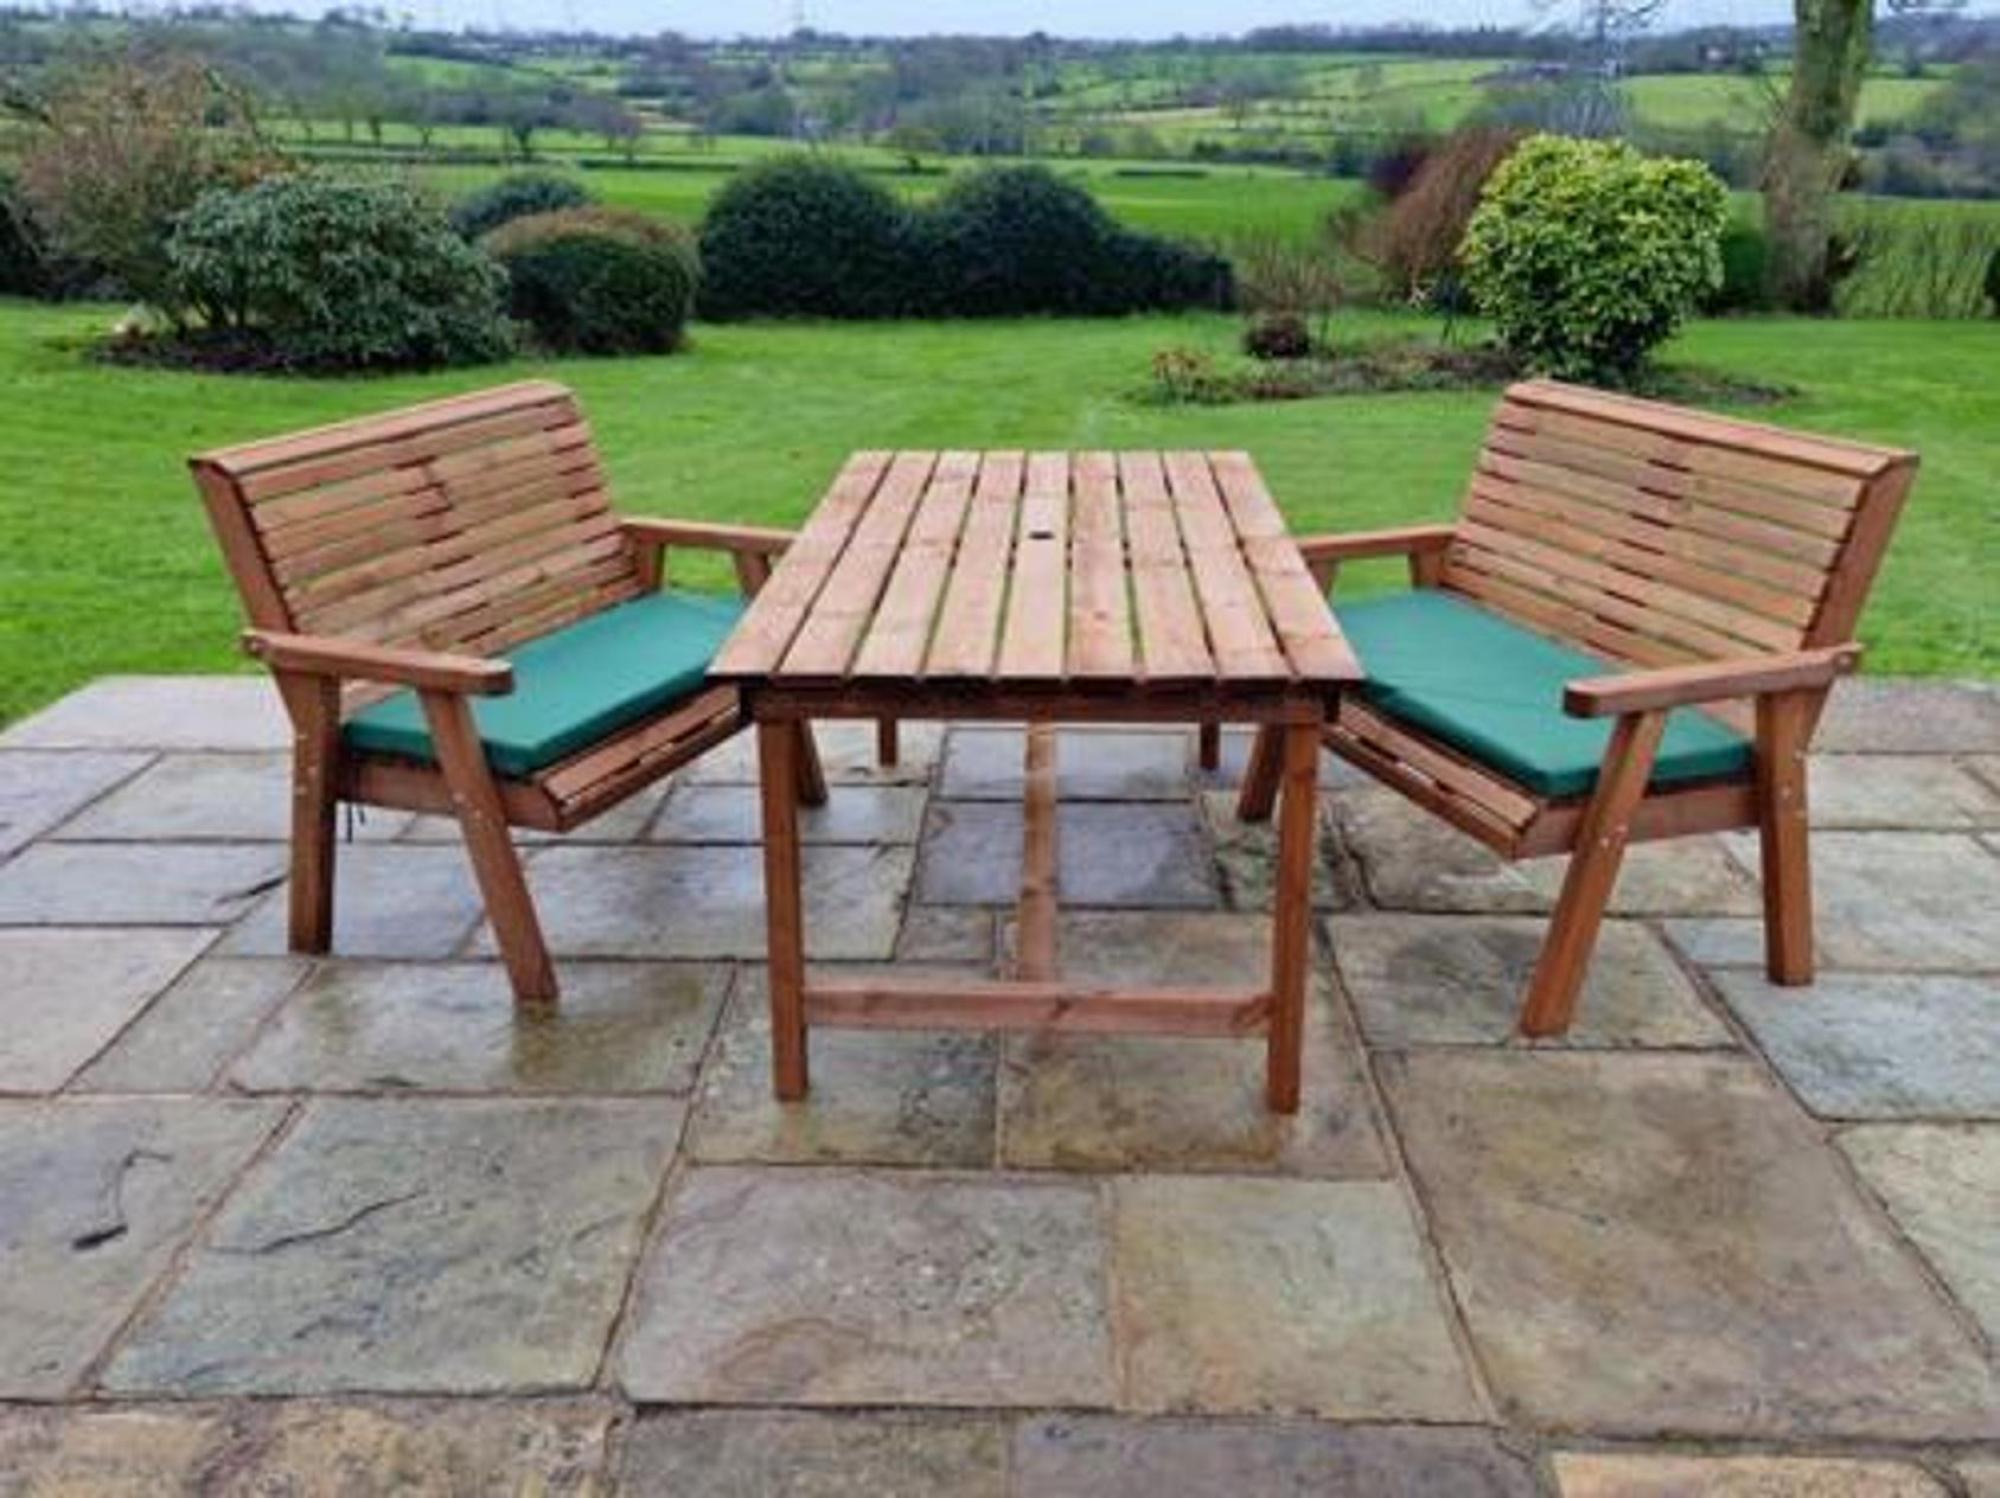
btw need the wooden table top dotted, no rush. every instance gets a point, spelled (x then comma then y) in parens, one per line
(1024, 571)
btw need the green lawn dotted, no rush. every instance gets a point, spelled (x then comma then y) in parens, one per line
(109, 565)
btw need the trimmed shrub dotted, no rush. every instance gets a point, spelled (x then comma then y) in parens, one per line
(23, 267)
(796, 237)
(599, 280)
(1991, 284)
(319, 273)
(1587, 255)
(521, 195)
(1746, 255)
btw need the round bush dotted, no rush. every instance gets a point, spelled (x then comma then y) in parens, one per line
(519, 196)
(1745, 284)
(1587, 255)
(599, 280)
(797, 237)
(23, 266)
(326, 274)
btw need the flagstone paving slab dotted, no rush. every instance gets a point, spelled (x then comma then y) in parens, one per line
(771, 1454)
(1637, 1241)
(1911, 901)
(201, 796)
(989, 764)
(846, 754)
(185, 1037)
(1150, 854)
(1335, 773)
(1139, 1102)
(708, 902)
(68, 992)
(1617, 1475)
(1412, 861)
(389, 900)
(1459, 980)
(1238, 1295)
(136, 884)
(414, 1246)
(159, 712)
(948, 934)
(1898, 790)
(1910, 716)
(1878, 1045)
(1981, 1478)
(881, 1097)
(1108, 1456)
(733, 814)
(95, 1196)
(1246, 857)
(309, 1449)
(39, 788)
(619, 1027)
(1942, 1185)
(850, 1288)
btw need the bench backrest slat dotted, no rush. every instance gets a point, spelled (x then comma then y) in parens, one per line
(468, 524)
(1656, 535)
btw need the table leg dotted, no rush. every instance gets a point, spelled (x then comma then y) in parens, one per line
(1291, 931)
(777, 775)
(1035, 923)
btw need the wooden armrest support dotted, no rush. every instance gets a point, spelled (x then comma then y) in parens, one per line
(426, 670)
(1406, 540)
(1708, 681)
(758, 540)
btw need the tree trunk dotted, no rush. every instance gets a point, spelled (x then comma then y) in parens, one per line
(1830, 51)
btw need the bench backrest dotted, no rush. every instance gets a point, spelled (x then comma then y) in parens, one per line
(1655, 535)
(468, 524)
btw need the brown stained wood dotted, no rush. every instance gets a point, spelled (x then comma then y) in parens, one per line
(1037, 612)
(1293, 595)
(1172, 644)
(1784, 724)
(1291, 915)
(1593, 868)
(1397, 541)
(888, 751)
(573, 777)
(968, 620)
(1100, 612)
(496, 864)
(1881, 506)
(1208, 751)
(1450, 770)
(900, 633)
(1682, 686)
(777, 771)
(1261, 775)
(1035, 924)
(313, 703)
(932, 1004)
(341, 659)
(832, 631)
(1233, 611)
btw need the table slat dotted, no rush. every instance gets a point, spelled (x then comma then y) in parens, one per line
(1232, 609)
(839, 617)
(1171, 643)
(901, 630)
(1100, 613)
(1298, 609)
(1031, 641)
(969, 620)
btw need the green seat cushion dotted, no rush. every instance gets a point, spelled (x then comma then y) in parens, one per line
(574, 687)
(1493, 690)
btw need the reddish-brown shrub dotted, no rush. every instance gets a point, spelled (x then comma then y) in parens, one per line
(1413, 241)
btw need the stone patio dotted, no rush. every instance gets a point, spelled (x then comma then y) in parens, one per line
(270, 1225)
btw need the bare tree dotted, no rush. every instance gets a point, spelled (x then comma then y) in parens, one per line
(1833, 40)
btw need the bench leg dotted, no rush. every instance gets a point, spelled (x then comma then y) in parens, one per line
(314, 704)
(887, 749)
(1783, 721)
(1593, 869)
(807, 773)
(784, 908)
(1209, 752)
(1291, 915)
(496, 864)
(1260, 776)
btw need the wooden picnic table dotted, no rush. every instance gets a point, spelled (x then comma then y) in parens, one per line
(1132, 587)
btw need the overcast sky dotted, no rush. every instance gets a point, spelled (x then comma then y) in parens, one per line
(1085, 18)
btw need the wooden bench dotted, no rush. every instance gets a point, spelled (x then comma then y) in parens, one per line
(1629, 634)
(390, 566)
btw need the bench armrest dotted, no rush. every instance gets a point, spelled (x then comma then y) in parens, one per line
(1708, 681)
(1406, 540)
(757, 540)
(356, 660)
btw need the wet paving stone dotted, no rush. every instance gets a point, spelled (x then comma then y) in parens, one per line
(1609, 1475)
(39, 788)
(1412, 861)
(879, 1097)
(68, 993)
(1981, 1478)
(768, 1454)
(1636, 1241)
(136, 884)
(954, 935)
(159, 712)
(1143, 1102)
(414, 1247)
(1898, 791)
(185, 1037)
(1106, 1456)
(1942, 1185)
(388, 901)
(310, 1449)
(194, 797)
(708, 902)
(95, 1196)
(846, 753)
(849, 1288)
(1246, 854)
(1888, 716)
(1279, 1297)
(1439, 980)
(1134, 853)
(987, 764)
(1878, 1045)
(618, 1027)
(732, 814)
